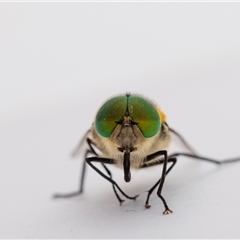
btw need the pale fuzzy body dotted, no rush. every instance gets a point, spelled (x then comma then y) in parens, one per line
(109, 147)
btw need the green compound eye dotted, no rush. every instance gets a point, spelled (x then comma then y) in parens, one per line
(111, 112)
(145, 115)
(142, 111)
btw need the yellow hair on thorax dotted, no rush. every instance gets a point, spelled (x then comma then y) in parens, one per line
(161, 114)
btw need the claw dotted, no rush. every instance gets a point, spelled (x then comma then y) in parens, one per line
(66, 195)
(167, 211)
(134, 198)
(147, 205)
(121, 201)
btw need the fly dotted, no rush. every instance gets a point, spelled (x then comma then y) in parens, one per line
(131, 132)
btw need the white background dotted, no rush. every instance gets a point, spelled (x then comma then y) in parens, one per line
(60, 61)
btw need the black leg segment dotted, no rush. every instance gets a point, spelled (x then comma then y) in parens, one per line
(107, 161)
(154, 159)
(150, 191)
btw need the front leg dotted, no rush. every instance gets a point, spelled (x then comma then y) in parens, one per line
(164, 171)
(153, 160)
(90, 144)
(107, 161)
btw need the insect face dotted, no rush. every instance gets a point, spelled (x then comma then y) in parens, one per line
(127, 129)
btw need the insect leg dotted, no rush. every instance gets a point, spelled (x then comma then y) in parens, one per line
(155, 161)
(207, 159)
(107, 161)
(108, 172)
(114, 189)
(173, 160)
(67, 195)
(185, 143)
(106, 169)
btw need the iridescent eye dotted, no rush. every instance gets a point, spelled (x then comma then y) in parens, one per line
(111, 112)
(145, 114)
